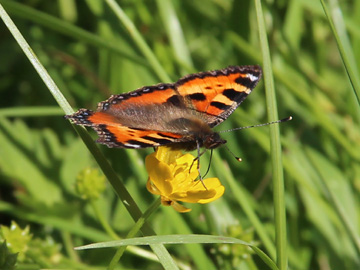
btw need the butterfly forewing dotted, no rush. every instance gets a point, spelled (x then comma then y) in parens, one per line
(218, 93)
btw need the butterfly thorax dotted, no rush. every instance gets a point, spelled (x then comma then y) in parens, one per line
(199, 134)
(209, 141)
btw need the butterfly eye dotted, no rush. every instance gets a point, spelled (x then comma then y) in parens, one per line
(213, 141)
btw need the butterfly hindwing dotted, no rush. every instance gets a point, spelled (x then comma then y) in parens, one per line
(113, 134)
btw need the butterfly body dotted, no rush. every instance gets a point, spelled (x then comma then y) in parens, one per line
(181, 114)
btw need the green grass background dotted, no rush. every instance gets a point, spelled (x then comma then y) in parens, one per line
(91, 53)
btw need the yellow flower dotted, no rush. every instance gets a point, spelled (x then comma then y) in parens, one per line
(172, 176)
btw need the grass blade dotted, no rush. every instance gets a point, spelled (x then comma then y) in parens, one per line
(181, 239)
(139, 41)
(275, 145)
(174, 32)
(338, 27)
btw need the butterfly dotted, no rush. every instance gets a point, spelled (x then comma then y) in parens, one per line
(180, 114)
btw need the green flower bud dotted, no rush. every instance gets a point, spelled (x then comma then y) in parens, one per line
(90, 183)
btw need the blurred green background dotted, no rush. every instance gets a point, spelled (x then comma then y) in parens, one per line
(91, 54)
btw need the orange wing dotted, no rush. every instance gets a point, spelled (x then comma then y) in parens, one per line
(218, 93)
(148, 95)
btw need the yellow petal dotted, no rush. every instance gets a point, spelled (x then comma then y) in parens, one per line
(167, 154)
(180, 208)
(182, 182)
(186, 159)
(194, 196)
(156, 168)
(213, 184)
(152, 188)
(198, 194)
(210, 183)
(158, 172)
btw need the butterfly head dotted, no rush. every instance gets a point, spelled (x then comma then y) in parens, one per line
(213, 140)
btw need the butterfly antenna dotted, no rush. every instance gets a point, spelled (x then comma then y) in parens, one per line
(236, 157)
(259, 125)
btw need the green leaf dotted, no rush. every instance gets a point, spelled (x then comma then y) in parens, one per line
(18, 161)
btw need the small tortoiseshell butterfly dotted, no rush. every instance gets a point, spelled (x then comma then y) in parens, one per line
(180, 114)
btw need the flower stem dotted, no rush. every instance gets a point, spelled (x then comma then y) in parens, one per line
(103, 222)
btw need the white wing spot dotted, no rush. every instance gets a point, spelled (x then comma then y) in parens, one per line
(252, 77)
(132, 145)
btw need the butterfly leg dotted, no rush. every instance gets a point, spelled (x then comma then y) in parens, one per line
(208, 168)
(195, 159)
(198, 162)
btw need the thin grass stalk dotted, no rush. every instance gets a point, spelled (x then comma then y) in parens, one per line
(338, 28)
(139, 41)
(175, 34)
(275, 146)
